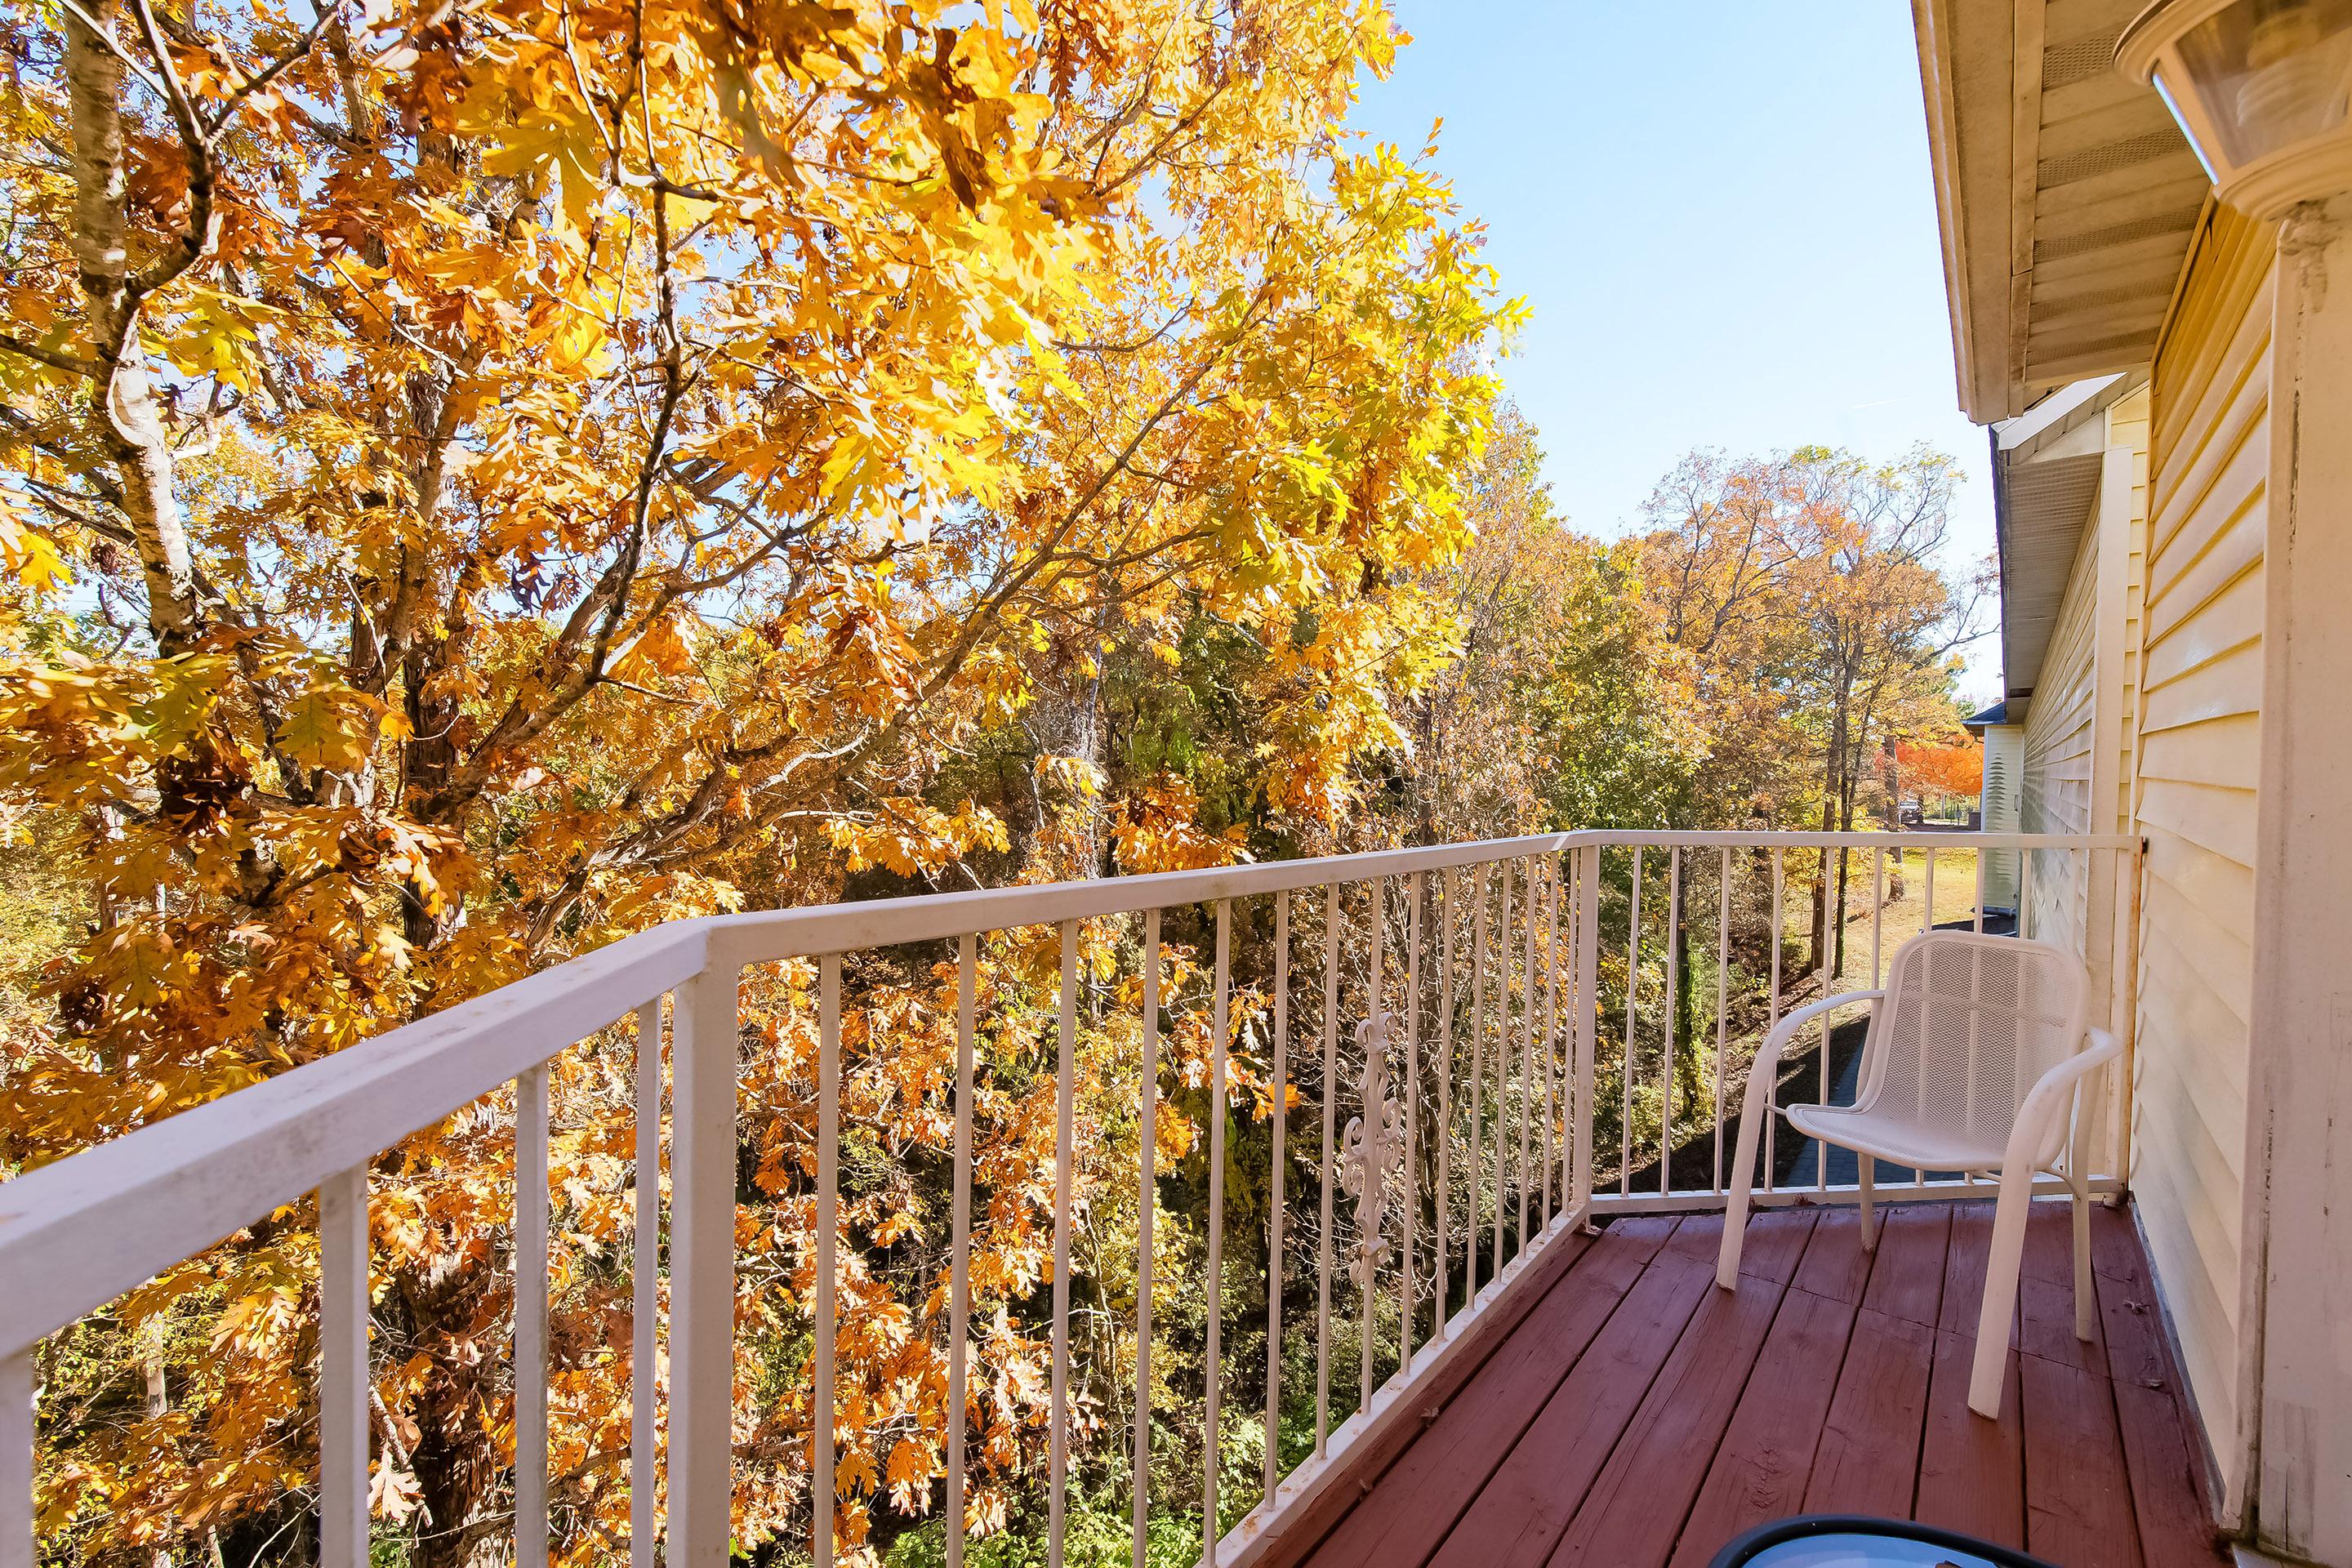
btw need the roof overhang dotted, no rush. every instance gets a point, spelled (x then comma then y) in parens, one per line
(2066, 194)
(1977, 724)
(2047, 466)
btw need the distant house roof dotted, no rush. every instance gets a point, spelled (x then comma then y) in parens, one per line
(1975, 723)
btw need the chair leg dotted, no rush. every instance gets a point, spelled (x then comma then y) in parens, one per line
(1992, 1364)
(1734, 1208)
(2086, 1289)
(1867, 1168)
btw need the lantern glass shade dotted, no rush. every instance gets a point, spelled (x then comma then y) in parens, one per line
(2263, 88)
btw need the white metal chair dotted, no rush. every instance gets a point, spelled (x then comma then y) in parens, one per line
(1974, 1062)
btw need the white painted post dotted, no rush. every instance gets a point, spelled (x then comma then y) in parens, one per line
(1502, 1061)
(531, 1209)
(702, 1271)
(1280, 1123)
(16, 1436)
(1147, 1197)
(1330, 1110)
(344, 1369)
(1588, 1020)
(1673, 1001)
(1529, 904)
(2298, 1229)
(1632, 1006)
(960, 1257)
(645, 1297)
(1723, 996)
(1444, 1250)
(1219, 1023)
(1773, 1090)
(1065, 1176)
(822, 1488)
(1411, 1118)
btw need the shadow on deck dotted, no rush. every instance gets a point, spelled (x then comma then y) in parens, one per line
(1636, 1415)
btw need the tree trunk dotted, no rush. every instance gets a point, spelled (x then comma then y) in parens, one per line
(122, 409)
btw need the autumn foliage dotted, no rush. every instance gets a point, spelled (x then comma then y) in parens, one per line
(487, 479)
(1942, 770)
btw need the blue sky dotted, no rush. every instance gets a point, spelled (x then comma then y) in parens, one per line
(1721, 215)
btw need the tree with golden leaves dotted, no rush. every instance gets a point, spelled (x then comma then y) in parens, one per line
(481, 478)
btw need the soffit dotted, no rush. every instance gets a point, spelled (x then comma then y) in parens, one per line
(2042, 506)
(2066, 194)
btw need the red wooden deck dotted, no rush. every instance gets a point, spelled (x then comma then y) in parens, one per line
(1636, 1415)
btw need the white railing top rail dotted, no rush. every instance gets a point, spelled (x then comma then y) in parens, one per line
(165, 1191)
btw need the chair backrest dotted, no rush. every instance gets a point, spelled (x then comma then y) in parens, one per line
(1970, 1025)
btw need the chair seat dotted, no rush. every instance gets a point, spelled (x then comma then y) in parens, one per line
(1896, 1138)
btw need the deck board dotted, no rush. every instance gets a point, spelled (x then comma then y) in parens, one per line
(1409, 1509)
(1640, 1415)
(1868, 1460)
(1766, 1457)
(1971, 1470)
(2167, 1474)
(1906, 1280)
(1518, 1517)
(2078, 1509)
(1635, 1509)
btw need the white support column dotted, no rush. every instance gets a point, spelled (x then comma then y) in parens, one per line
(18, 1547)
(702, 1271)
(2300, 1105)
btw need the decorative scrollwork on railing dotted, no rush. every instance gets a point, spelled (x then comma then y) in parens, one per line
(1371, 1149)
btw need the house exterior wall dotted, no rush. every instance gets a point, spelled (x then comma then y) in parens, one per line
(2060, 757)
(2197, 686)
(1999, 798)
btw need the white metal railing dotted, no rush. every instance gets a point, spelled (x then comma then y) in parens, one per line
(1504, 1126)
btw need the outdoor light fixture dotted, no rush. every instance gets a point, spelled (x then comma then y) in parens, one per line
(2261, 88)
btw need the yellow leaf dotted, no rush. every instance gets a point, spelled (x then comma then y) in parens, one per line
(328, 728)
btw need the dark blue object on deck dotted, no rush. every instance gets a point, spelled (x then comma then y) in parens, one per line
(1847, 1540)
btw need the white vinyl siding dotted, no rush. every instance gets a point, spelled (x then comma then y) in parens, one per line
(2061, 732)
(2199, 693)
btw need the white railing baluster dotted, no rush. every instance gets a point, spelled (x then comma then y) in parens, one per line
(17, 1548)
(1148, 1198)
(531, 1205)
(1772, 1088)
(1722, 1000)
(1219, 1023)
(1552, 1127)
(1412, 1118)
(1632, 989)
(821, 1389)
(1878, 913)
(1367, 1295)
(2024, 890)
(1927, 908)
(1330, 1106)
(645, 1297)
(343, 1380)
(1477, 1087)
(1281, 1118)
(1528, 904)
(704, 1043)
(960, 1243)
(1065, 1177)
(1587, 1015)
(1674, 1002)
(1502, 1061)
(1442, 1275)
(1830, 934)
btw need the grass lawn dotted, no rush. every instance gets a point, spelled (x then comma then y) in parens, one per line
(1956, 899)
